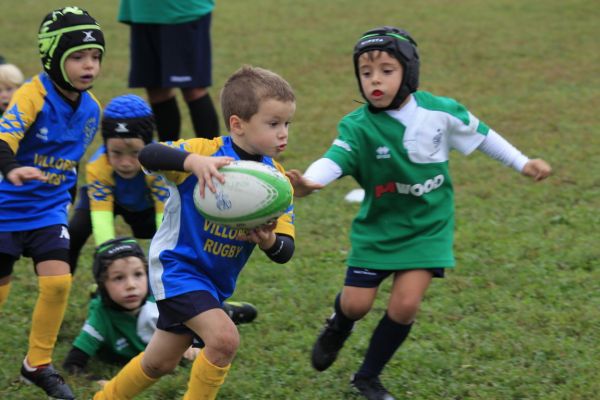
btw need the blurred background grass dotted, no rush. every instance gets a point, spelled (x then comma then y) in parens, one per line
(517, 319)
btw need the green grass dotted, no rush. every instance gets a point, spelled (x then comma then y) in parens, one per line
(519, 316)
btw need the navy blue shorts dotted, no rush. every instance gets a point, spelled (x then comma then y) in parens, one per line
(171, 55)
(48, 243)
(174, 311)
(370, 278)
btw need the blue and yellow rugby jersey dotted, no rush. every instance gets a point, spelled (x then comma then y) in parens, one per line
(45, 132)
(189, 253)
(106, 188)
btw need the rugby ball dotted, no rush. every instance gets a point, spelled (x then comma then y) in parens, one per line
(253, 194)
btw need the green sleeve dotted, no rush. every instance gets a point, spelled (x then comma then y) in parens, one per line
(92, 336)
(103, 226)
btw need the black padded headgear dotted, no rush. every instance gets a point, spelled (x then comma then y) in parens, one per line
(400, 45)
(108, 252)
(62, 32)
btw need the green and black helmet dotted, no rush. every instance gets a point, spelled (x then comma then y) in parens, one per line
(108, 252)
(400, 45)
(62, 32)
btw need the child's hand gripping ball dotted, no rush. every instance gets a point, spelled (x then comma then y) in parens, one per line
(253, 194)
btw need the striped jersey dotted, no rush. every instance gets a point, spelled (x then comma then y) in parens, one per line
(45, 132)
(106, 188)
(400, 158)
(189, 253)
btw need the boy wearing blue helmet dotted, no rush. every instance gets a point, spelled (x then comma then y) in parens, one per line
(396, 147)
(45, 131)
(116, 184)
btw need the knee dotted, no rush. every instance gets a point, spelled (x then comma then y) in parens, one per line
(355, 310)
(404, 311)
(56, 286)
(191, 94)
(156, 369)
(225, 343)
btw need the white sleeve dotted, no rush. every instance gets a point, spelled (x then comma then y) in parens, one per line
(323, 171)
(500, 149)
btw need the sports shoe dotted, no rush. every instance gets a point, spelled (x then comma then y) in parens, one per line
(48, 379)
(329, 343)
(240, 312)
(371, 388)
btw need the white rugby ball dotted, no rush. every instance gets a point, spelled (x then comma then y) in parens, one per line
(253, 194)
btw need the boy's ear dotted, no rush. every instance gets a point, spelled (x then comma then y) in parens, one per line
(235, 125)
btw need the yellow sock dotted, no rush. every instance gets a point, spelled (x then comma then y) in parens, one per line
(47, 317)
(129, 382)
(205, 379)
(4, 290)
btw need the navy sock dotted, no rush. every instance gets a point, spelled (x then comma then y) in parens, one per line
(386, 339)
(204, 117)
(168, 119)
(340, 321)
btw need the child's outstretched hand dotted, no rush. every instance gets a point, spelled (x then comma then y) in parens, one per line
(537, 168)
(263, 236)
(20, 175)
(205, 168)
(302, 186)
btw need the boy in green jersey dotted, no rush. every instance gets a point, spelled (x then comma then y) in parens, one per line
(396, 147)
(122, 316)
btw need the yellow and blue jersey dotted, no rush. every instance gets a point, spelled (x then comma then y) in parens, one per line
(45, 132)
(106, 188)
(189, 253)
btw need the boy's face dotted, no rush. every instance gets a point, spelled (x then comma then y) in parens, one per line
(82, 68)
(266, 133)
(127, 282)
(380, 77)
(7, 90)
(123, 155)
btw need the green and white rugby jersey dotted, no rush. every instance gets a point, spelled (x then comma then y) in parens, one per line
(116, 335)
(400, 158)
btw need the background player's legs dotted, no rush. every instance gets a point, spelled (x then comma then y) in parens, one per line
(166, 113)
(202, 112)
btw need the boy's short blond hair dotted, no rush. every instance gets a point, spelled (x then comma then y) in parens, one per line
(248, 87)
(11, 74)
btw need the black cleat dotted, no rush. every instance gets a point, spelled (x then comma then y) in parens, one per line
(48, 379)
(240, 312)
(328, 345)
(371, 388)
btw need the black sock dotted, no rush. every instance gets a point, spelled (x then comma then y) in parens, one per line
(168, 119)
(386, 339)
(340, 321)
(204, 117)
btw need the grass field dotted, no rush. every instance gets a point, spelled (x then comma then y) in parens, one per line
(519, 318)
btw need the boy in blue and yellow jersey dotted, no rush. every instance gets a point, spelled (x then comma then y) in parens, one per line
(194, 264)
(397, 148)
(44, 133)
